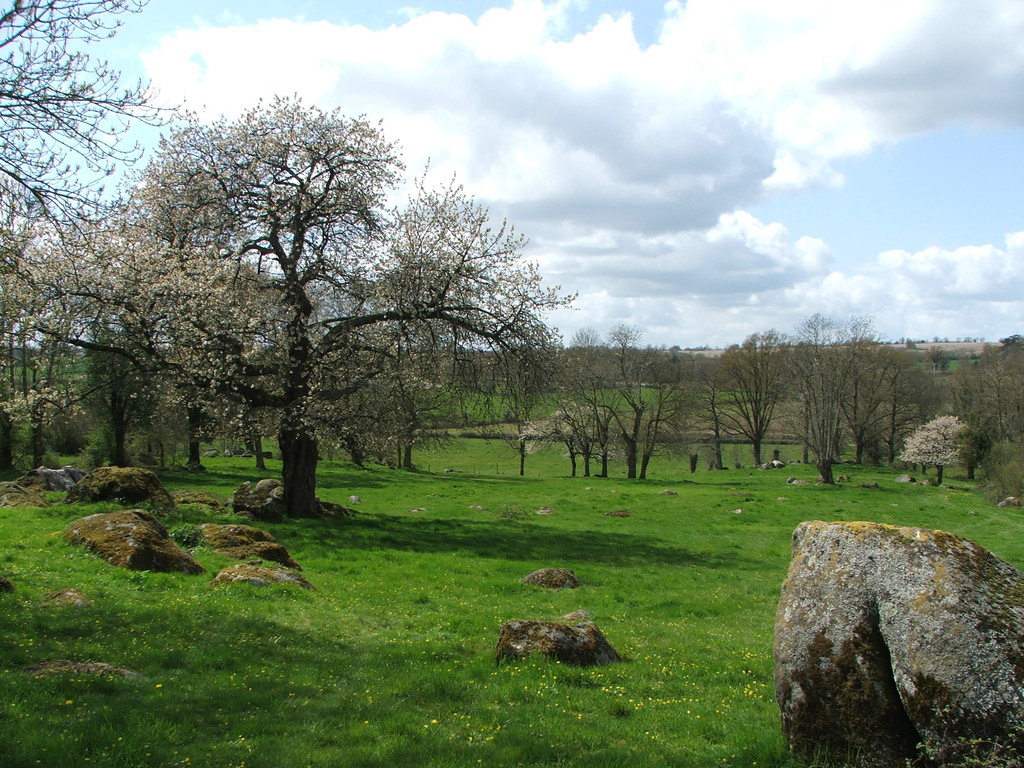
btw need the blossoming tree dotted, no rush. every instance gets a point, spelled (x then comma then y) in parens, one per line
(936, 442)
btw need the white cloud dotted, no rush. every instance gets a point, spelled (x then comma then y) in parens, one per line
(629, 166)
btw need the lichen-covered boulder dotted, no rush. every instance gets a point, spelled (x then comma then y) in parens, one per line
(16, 495)
(264, 501)
(131, 538)
(580, 645)
(128, 484)
(244, 542)
(890, 637)
(259, 575)
(552, 578)
(45, 479)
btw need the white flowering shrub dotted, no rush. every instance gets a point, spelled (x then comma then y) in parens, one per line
(936, 443)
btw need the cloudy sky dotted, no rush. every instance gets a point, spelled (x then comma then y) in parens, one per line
(702, 169)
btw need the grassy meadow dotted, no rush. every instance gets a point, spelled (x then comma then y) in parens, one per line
(390, 661)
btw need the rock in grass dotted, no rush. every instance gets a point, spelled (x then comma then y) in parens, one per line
(552, 578)
(244, 542)
(259, 575)
(264, 501)
(128, 484)
(45, 479)
(888, 637)
(580, 645)
(65, 667)
(67, 598)
(201, 499)
(131, 538)
(6, 585)
(15, 495)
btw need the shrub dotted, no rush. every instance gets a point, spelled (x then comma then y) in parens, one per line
(1003, 469)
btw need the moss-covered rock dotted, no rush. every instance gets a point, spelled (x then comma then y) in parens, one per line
(889, 637)
(552, 578)
(128, 484)
(66, 667)
(45, 479)
(201, 499)
(263, 501)
(131, 538)
(16, 495)
(244, 542)
(259, 575)
(67, 598)
(580, 645)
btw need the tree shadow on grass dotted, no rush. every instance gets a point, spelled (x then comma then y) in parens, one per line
(498, 539)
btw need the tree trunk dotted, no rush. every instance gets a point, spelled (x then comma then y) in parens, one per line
(260, 459)
(645, 460)
(6, 437)
(407, 457)
(938, 474)
(522, 458)
(825, 471)
(604, 464)
(631, 457)
(195, 422)
(756, 446)
(298, 472)
(119, 432)
(38, 443)
(572, 463)
(694, 457)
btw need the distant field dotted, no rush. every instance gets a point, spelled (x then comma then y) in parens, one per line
(390, 661)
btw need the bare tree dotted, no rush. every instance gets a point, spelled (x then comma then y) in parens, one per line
(824, 364)
(755, 374)
(64, 113)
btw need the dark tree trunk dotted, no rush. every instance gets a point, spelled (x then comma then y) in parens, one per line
(604, 464)
(260, 458)
(195, 423)
(119, 431)
(756, 446)
(825, 471)
(38, 441)
(572, 462)
(522, 458)
(6, 437)
(407, 457)
(645, 460)
(694, 457)
(938, 474)
(298, 472)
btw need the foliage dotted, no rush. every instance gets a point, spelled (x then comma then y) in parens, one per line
(1003, 468)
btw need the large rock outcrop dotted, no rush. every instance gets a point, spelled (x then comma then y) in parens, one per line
(580, 645)
(131, 538)
(130, 485)
(888, 637)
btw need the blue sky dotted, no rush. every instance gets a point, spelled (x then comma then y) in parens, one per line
(703, 170)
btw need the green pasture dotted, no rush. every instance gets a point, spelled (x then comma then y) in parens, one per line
(390, 661)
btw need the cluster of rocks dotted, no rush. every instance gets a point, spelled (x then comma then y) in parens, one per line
(569, 639)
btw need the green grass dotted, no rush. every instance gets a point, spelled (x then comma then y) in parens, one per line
(390, 661)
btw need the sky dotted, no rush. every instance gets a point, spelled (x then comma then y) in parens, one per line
(700, 169)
